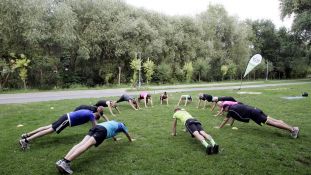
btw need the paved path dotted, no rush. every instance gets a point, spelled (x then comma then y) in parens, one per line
(61, 95)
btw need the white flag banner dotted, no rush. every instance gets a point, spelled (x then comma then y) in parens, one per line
(253, 62)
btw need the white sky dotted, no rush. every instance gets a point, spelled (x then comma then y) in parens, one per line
(243, 9)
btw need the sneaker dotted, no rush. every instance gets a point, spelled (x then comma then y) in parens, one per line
(295, 132)
(24, 136)
(64, 167)
(58, 162)
(209, 150)
(215, 149)
(23, 144)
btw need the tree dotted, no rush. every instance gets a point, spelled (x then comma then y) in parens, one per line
(149, 69)
(135, 66)
(6, 69)
(301, 9)
(201, 68)
(22, 64)
(188, 71)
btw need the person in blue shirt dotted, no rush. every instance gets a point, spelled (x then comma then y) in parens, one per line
(96, 136)
(94, 109)
(70, 119)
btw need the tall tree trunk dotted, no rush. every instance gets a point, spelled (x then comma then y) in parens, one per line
(119, 79)
(24, 81)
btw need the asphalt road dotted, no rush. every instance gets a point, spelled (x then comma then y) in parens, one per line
(78, 94)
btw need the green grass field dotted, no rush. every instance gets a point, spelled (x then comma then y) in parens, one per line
(251, 149)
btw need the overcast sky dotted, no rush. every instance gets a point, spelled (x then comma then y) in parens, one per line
(243, 9)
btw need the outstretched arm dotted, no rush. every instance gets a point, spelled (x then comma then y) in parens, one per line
(105, 117)
(179, 101)
(94, 123)
(174, 127)
(117, 110)
(151, 102)
(213, 106)
(186, 101)
(132, 104)
(199, 103)
(128, 136)
(145, 101)
(110, 109)
(221, 111)
(224, 122)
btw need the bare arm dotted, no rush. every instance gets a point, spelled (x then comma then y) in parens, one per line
(151, 102)
(186, 101)
(213, 106)
(179, 101)
(94, 123)
(174, 127)
(219, 112)
(105, 117)
(110, 109)
(128, 136)
(131, 103)
(117, 110)
(224, 122)
(199, 103)
(145, 101)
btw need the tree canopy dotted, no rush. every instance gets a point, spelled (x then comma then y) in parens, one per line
(87, 42)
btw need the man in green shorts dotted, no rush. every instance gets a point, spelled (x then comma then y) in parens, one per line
(195, 129)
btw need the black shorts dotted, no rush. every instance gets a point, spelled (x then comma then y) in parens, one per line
(226, 99)
(163, 97)
(193, 125)
(60, 124)
(99, 133)
(124, 98)
(258, 116)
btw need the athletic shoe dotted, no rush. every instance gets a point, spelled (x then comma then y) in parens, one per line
(215, 149)
(64, 167)
(23, 144)
(58, 162)
(209, 150)
(24, 136)
(295, 132)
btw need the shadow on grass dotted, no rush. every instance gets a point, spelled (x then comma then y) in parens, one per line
(55, 140)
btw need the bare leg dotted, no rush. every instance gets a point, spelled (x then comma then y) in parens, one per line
(179, 102)
(38, 130)
(198, 136)
(73, 149)
(279, 124)
(41, 133)
(205, 135)
(81, 148)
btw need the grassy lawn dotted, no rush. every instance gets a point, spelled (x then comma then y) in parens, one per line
(251, 149)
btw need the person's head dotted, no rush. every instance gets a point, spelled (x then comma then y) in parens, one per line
(190, 98)
(121, 127)
(225, 107)
(219, 103)
(148, 96)
(178, 109)
(200, 96)
(215, 99)
(99, 113)
(165, 93)
(135, 103)
(113, 104)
